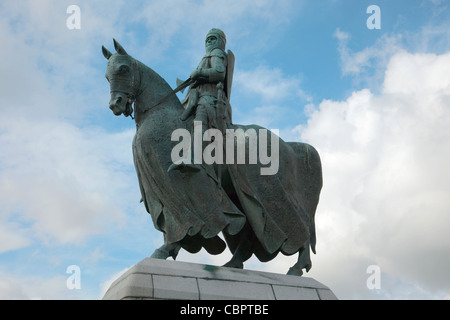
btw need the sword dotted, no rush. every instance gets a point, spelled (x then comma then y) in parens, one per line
(220, 124)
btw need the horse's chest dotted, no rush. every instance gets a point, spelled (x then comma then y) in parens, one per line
(152, 139)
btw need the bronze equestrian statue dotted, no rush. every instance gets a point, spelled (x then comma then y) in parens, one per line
(260, 214)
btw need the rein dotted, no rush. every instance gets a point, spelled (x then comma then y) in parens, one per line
(134, 85)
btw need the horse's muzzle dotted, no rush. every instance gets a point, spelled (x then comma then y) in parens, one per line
(118, 104)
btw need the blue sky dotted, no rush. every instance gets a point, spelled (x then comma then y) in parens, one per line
(375, 104)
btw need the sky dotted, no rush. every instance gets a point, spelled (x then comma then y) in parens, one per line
(374, 102)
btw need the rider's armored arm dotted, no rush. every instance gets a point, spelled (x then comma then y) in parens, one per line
(217, 71)
(218, 67)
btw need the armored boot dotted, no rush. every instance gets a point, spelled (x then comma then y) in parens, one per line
(184, 167)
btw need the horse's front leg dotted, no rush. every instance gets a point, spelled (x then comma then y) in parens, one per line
(167, 250)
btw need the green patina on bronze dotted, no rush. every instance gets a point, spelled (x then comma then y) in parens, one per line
(257, 214)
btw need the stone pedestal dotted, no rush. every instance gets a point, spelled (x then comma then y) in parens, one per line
(153, 279)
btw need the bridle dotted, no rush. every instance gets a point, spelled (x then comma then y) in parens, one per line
(131, 86)
(134, 85)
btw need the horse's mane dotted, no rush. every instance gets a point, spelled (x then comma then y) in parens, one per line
(163, 86)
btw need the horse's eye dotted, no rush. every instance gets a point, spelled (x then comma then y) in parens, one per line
(124, 69)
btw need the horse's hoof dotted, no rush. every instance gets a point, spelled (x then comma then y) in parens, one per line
(295, 272)
(160, 254)
(232, 264)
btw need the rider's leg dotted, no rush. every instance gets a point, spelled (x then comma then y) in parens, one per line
(200, 125)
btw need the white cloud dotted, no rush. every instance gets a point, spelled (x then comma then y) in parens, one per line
(385, 197)
(11, 290)
(36, 288)
(368, 64)
(62, 178)
(430, 75)
(270, 85)
(59, 180)
(267, 96)
(12, 235)
(165, 19)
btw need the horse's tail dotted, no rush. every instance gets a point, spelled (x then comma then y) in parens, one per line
(312, 167)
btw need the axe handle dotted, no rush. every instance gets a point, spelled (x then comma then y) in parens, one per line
(177, 89)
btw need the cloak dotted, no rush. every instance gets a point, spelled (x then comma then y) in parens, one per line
(191, 209)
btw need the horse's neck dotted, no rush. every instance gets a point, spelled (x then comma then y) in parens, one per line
(152, 89)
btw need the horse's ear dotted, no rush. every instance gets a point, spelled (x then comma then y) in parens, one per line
(106, 53)
(119, 48)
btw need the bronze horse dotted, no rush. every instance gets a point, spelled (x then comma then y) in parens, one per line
(257, 214)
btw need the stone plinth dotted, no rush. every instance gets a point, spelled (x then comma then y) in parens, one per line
(153, 279)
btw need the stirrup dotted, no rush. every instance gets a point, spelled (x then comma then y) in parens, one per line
(183, 167)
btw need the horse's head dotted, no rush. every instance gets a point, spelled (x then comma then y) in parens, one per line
(123, 77)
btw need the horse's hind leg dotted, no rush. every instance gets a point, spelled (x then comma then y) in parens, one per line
(167, 250)
(303, 262)
(243, 249)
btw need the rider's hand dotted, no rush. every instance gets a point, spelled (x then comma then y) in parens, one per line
(195, 75)
(199, 74)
